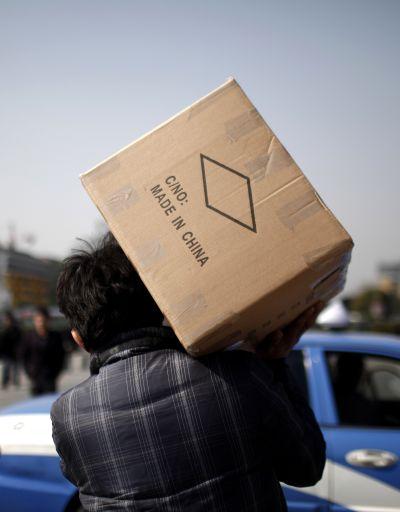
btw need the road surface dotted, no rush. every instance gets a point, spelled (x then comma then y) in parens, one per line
(77, 371)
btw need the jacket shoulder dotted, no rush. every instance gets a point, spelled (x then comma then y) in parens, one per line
(236, 369)
(60, 404)
(238, 361)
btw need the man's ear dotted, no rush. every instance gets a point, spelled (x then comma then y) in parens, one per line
(78, 339)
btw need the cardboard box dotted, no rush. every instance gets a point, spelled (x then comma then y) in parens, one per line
(224, 229)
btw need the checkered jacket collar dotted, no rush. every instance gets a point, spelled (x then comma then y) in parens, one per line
(134, 342)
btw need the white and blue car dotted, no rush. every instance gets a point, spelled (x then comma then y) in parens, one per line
(353, 385)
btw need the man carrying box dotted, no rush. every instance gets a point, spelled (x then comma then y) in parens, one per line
(153, 428)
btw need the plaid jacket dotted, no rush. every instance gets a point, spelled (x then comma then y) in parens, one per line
(153, 429)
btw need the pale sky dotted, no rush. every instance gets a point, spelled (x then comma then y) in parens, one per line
(81, 79)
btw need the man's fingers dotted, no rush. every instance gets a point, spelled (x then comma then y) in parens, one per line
(280, 342)
(270, 340)
(303, 322)
(319, 306)
(275, 336)
(298, 324)
(312, 314)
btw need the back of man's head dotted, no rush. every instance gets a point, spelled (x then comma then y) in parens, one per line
(101, 294)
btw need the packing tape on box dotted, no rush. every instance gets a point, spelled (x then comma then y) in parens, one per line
(299, 209)
(329, 293)
(333, 281)
(274, 160)
(243, 124)
(193, 302)
(329, 277)
(257, 167)
(325, 256)
(121, 199)
(149, 253)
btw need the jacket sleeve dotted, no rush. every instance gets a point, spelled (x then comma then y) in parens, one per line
(58, 442)
(291, 432)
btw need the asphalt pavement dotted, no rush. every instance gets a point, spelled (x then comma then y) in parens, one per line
(77, 371)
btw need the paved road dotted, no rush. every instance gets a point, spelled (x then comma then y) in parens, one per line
(77, 371)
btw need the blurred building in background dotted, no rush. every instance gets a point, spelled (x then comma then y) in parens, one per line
(26, 280)
(389, 277)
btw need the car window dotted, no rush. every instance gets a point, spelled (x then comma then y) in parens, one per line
(366, 388)
(295, 360)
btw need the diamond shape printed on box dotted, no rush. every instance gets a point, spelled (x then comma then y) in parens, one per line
(228, 192)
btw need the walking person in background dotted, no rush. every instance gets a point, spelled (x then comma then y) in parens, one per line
(43, 354)
(10, 339)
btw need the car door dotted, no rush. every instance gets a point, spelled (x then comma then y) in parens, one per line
(306, 499)
(364, 435)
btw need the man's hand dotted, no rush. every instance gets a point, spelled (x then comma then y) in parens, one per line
(278, 344)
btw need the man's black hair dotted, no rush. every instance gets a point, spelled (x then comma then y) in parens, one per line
(42, 310)
(101, 294)
(10, 315)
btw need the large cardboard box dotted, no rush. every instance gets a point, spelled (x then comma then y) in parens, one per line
(224, 229)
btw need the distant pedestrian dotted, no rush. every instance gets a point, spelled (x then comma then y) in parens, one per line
(43, 354)
(10, 339)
